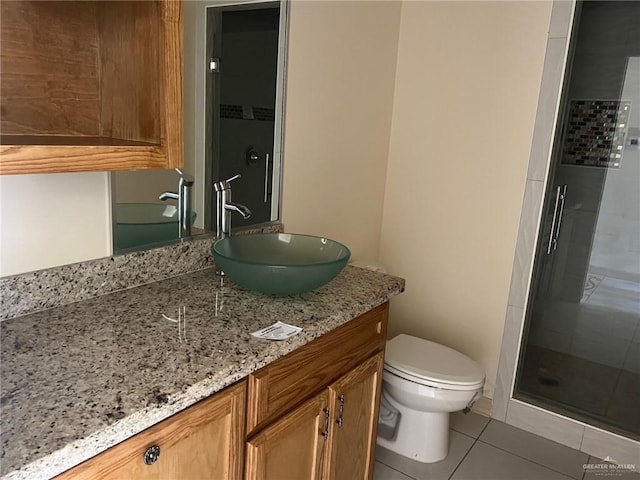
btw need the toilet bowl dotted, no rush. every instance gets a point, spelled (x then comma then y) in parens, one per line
(424, 382)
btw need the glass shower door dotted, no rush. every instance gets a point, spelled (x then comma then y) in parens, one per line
(581, 349)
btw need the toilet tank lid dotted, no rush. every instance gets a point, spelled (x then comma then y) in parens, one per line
(432, 361)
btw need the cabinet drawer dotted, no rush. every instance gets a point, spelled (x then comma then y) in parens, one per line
(284, 384)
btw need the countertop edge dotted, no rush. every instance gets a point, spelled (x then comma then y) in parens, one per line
(85, 448)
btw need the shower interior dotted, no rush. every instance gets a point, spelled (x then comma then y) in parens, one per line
(580, 355)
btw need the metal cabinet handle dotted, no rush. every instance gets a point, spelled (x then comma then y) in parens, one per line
(556, 220)
(325, 430)
(339, 421)
(151, 454)
(266, 178)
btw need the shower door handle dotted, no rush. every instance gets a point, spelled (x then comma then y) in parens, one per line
(556, 221)
(266, 178)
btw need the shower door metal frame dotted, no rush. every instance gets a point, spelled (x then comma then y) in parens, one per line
(564, 430)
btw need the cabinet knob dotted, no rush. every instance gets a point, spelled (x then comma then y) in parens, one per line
(151, 454)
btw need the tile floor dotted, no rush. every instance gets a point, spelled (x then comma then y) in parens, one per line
(484, 449)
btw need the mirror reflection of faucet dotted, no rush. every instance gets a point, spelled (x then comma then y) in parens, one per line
(183, 197)
(181, 321)
(224, 207)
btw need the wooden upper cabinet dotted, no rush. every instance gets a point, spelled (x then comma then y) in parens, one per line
(90, 86)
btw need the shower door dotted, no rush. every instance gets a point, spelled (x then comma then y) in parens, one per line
(581, 349)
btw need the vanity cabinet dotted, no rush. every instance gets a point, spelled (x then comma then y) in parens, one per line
(205, 441)
(90, 86)
(329, 437)
(313, 413)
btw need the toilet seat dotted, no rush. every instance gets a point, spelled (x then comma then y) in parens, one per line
(428, 363)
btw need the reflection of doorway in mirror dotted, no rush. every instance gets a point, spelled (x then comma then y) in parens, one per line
(243, 104)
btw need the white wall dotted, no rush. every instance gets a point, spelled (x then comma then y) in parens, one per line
(339, 92)
(467, 83)
(54, 219)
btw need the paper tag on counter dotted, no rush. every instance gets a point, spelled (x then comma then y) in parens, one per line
(277, 331)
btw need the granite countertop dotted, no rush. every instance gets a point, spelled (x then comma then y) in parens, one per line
(81, 378)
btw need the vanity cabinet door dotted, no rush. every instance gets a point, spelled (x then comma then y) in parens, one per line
(352, 436)
(291, 448)
(205, 441)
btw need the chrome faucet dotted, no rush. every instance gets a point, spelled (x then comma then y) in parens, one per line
(184, 202)
(224, 207)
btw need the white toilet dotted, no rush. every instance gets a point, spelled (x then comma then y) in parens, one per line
(422, 383)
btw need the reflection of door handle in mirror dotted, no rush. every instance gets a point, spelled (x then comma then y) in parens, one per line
(252, 157)
(266, 178)
(556, 220)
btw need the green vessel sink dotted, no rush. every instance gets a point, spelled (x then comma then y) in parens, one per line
(280, 263)
(145, 223)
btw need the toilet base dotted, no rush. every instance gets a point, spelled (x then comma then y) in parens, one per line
(421, 436)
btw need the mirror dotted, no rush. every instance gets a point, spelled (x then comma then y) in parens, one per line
(234, 64)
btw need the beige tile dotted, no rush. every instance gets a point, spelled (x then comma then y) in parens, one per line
(470, 424)
(508, 361)
(545, 424)
(561, 16)
(459, 445)
(485, 462)
(526, 243)
(537, 449)
(382, 472)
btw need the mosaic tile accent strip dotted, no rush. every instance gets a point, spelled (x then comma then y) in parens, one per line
(247, 112)
(595, 133)
(44, 289)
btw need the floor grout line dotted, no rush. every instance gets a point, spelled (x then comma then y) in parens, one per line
(453, 472)
(475, 440)
(394, 468)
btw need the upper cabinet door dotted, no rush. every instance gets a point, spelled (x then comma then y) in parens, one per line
(90, 86)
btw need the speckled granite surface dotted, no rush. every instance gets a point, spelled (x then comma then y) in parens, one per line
(80, 378)
(43, 289)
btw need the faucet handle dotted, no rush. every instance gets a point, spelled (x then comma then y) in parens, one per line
(185, 177)
(224, 184)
